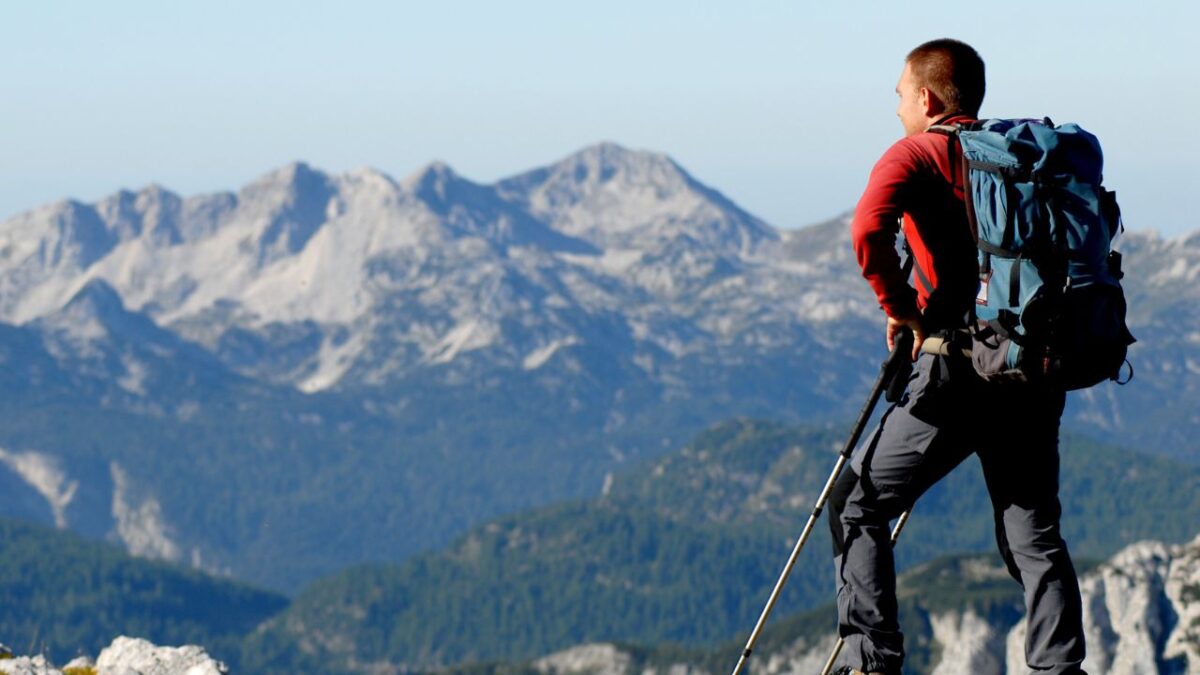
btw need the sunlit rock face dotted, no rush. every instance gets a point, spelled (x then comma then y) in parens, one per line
(125, 656)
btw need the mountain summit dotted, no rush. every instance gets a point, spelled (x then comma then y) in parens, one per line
(317, 349)
(605, 229)
(617, 197)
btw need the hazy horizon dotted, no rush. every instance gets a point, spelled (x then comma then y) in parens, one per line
(206, 97)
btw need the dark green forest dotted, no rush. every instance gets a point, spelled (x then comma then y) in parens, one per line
(63, 596)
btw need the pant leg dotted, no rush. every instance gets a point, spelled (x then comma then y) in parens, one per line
(915, 445)
(1021, 469)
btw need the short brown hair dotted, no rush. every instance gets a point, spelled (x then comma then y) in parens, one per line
(952, 70)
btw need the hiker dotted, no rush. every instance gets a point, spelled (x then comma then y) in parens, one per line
(948, 412)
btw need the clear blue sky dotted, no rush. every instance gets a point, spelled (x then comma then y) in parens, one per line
(783, 106)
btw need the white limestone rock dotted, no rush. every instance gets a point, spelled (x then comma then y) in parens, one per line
(604, 659)
(25, 665)
(134, 656)
(802, 657)
(79, 663)
(969, 644)
(45, 474)
(1183, 591)
(589, 659)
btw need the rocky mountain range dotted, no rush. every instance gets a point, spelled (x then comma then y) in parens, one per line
(363, 280)
(324, 369)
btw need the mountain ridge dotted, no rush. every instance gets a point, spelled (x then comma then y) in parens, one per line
(455, 356)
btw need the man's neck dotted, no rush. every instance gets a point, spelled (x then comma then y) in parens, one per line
(943, 118)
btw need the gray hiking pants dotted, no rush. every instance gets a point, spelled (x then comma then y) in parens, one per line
(947, 414)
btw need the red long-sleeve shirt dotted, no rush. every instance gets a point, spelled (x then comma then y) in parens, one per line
(915, 180)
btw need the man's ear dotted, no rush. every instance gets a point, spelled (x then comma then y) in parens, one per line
(930, 103)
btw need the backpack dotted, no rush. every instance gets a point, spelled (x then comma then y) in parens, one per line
(1050, 303)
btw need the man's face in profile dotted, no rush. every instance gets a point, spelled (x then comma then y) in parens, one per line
(911, 109)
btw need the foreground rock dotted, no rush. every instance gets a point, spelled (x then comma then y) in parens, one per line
(129, 656)
(25, 665)
(125, 656)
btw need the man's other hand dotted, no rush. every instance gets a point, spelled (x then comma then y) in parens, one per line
(913, 324)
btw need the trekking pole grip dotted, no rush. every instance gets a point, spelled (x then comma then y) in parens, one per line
(899, 365)
(902, 345)
(895, 368)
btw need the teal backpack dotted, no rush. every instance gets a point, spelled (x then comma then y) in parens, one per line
(1050, 303)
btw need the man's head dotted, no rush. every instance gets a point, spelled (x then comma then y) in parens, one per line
(940, 77)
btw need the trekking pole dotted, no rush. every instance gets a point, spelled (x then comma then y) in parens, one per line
(894, 368)
(837, 649)
(937, 346)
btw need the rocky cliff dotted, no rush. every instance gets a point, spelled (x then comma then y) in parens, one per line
(1141, 617)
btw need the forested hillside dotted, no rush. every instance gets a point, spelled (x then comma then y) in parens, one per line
(61, 595)
(684, 550)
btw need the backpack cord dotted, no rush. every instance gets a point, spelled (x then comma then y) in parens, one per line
(1127, 380)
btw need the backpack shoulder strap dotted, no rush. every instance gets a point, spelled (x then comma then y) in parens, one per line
(954, 148)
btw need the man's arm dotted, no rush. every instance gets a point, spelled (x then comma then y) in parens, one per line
(873, 232)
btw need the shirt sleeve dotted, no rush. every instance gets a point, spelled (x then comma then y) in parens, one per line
(876, 224)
